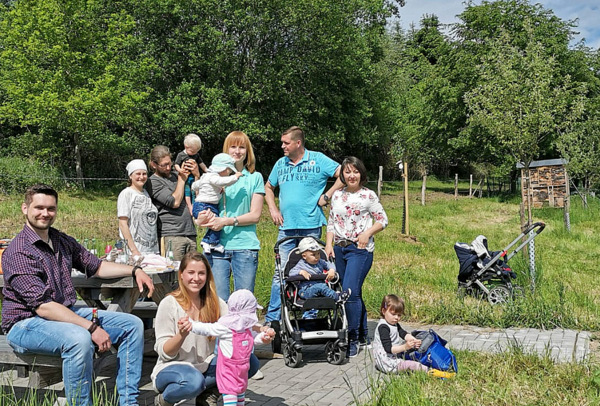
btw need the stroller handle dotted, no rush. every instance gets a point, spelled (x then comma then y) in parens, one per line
(540, 225)
(294, 237)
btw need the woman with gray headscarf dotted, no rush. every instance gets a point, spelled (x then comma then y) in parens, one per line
(137, 215)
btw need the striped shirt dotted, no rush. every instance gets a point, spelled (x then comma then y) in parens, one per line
(34, 273)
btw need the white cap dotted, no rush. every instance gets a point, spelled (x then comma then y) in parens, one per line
(309, 244)
(135, 165)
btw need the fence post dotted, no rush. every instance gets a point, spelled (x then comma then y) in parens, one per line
(456, 186)
(379, 182)
(405, 228)
(567, 215)
(471, 185)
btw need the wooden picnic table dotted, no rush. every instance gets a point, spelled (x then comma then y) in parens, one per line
(122, 293)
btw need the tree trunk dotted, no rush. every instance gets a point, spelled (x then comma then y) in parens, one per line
(78, 167)
(423, 188)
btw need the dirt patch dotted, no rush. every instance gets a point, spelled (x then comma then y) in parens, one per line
(410, 239)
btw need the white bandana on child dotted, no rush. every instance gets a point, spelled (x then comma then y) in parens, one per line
(242, 311)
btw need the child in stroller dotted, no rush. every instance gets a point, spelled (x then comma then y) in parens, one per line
(486, 273)
(312, 265)
(330, 326)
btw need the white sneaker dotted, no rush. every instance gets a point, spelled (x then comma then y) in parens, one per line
(205, 247)
(258, 376)
(218, 248)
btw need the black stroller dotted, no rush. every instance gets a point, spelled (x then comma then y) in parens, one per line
(293, 332)
(484, 273)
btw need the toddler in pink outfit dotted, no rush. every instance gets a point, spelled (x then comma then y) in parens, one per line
(237, 331)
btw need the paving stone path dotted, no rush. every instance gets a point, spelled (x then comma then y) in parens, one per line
(316, 382)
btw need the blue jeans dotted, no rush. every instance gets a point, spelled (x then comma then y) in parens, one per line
(211, 237)
(353, 265)
(180, 381)
(241, 263)
(316, 289)
(274, 310)
(75, 346)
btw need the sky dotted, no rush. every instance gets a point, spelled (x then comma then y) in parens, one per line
(587, 11)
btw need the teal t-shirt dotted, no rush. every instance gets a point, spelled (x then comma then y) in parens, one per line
(300, 187)
(235, 202)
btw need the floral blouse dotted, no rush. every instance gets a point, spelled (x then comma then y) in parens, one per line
(353, 213)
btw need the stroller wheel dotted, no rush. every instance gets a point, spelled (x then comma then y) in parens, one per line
(336, 355)
(291, 356)
(499, 294)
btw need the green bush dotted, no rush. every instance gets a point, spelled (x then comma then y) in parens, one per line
(16, 174)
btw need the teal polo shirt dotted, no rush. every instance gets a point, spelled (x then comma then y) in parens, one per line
(300, 187)
(236, 201)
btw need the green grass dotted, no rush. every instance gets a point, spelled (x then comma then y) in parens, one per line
(423, 269)
(512, 378)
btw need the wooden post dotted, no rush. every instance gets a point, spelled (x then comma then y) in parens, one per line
(471, 185)
(405, 227)
(456, 186)
(379, 182)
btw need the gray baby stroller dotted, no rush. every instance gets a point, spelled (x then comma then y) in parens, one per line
(486, 274)
(293, 331)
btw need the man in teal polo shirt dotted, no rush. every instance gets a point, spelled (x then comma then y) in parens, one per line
(301, 176)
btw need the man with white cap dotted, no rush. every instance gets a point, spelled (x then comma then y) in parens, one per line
(137, 215)
(208, 190)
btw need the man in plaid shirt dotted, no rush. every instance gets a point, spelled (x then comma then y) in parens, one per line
(38, 314)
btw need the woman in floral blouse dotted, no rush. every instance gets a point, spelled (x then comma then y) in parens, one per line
(355, 217)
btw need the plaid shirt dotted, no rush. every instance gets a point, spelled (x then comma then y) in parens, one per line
(35, 274)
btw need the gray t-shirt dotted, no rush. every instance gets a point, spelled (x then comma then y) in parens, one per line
(141, 218)
(171, 221)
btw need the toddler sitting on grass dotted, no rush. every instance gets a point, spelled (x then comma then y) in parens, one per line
(391, 342)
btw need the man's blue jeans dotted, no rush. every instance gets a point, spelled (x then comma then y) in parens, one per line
(241, 263)
(75, 346)
(353, 265)
(182, 381)
(274, 311)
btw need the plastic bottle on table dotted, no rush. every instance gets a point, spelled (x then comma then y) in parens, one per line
(169, 252)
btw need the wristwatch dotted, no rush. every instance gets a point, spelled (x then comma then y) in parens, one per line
(235, 222)
(326, 198)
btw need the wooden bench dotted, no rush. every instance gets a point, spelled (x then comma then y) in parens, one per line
(46, 370)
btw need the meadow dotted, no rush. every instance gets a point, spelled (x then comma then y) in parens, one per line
(423, 269)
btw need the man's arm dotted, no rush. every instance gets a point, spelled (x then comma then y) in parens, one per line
(114, 270)
(163, 195)
(273, 209)
(336, 186)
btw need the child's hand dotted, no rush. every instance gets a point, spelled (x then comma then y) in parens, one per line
(413, 343)
(177, 168)
(239, 174)
(268, 335)
(305, 274)
(184, 325)
(330, 274)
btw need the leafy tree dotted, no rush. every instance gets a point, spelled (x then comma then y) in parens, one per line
(477, 34)
(518, 103)
(72, 74)
(581, 144)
